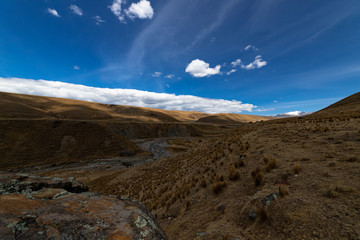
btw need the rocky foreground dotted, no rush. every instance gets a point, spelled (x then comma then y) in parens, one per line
(33, 207)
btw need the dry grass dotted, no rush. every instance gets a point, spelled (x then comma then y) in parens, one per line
(217, 187)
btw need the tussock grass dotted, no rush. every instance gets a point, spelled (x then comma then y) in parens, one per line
(258, 176)
(217, 187)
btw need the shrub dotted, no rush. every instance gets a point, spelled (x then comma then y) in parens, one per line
(297, 169)
(282, 192)
(271, 164)
(262, 213)
(258, 176)
(233, 174)
(218, 187)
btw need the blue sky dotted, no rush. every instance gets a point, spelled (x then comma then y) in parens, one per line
(259, 56)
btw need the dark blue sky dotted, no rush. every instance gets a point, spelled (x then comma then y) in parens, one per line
(298, 55)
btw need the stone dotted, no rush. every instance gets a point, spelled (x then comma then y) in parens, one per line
(33, 207)
(268, 199)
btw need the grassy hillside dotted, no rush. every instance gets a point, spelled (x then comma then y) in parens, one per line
(224, 188)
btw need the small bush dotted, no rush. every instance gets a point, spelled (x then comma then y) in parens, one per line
(271, 165)
(233, 174)
(262, 213)
(218, 187)
(282, 192)
(297, 169)
(239, 164)
(258, 176)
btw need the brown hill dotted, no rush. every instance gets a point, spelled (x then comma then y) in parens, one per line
(345, 108)
(28, 106)
(231, 118)
(227, 188)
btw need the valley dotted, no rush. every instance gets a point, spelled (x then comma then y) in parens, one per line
(208, 179)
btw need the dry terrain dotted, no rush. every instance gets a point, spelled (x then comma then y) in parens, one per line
(227, 186)
(43, 130)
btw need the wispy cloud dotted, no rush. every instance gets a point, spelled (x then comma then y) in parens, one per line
(53, 12)
(76, 67)
(140, 10)
(76, 10)
(157, 74)
(199, 68)
(169, 76)
(231, 71)
(220, 17)
(122, 96)
(236, 63)
(98, 20)
(250, 47)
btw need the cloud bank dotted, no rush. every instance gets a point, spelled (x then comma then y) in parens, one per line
(122, 96)
(199, 68)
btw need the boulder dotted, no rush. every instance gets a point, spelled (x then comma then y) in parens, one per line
(33, 207)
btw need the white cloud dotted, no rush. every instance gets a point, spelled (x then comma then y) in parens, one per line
(199, 68)
(250, 47)
(275, 101)
(53, 12)
(76, 67)
(122, 96)
(116, 9)
(140, 10)
(236, 63)
(98, 20)
(76, 10)
(257, 63)
(157, 74)
(294, 113)
(169, 76)
(231, 71)
(167, 85)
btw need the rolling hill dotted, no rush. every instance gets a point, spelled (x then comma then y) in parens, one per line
(37, 107)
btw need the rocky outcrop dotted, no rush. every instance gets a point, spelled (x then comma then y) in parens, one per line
(33, 207)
